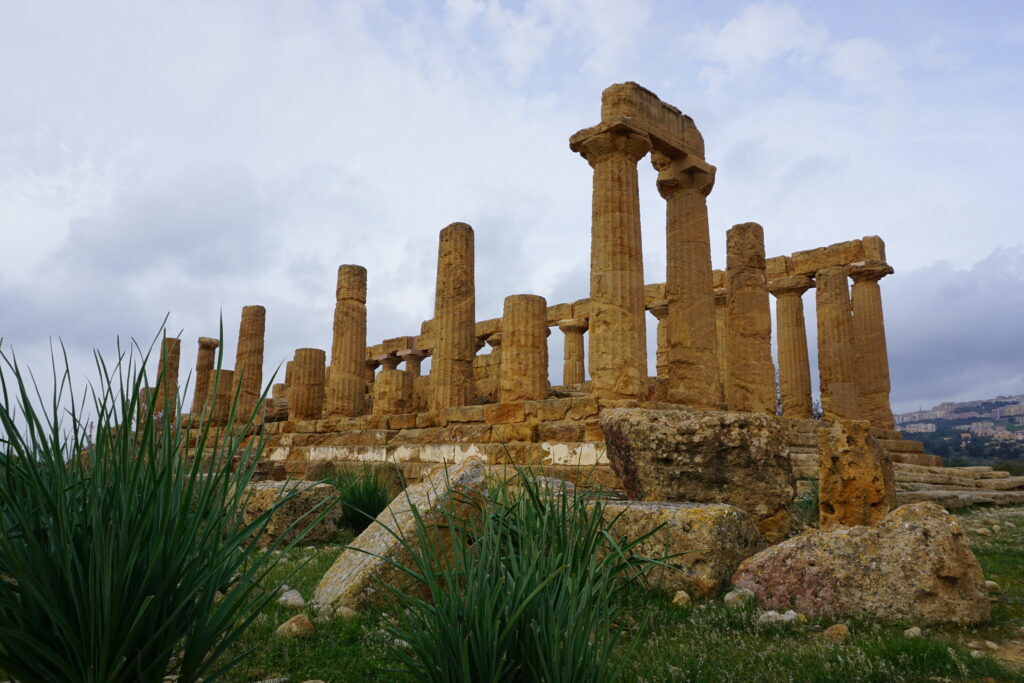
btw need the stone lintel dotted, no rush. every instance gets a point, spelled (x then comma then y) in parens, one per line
(671, 131)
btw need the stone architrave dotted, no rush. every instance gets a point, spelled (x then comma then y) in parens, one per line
(223, 388)
(306, 395)
(618, 330)
(722, 336)
(794, 366)
(856, 484)
(166, 398)
(751, 385)
(659, 309)
(454, 324)
(249, 359)
(870, 352)
(346, 384)
(524, 362)
(389, 391)
(573, 364)
(205, 360)
(840, 395)
(685, 182)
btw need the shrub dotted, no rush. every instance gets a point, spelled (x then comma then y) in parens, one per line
(807, 503)
(363, 494)
(121, 553)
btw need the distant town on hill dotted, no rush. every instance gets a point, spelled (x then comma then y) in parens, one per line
(988, 431)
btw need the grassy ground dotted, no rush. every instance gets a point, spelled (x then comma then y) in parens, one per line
(708, 642)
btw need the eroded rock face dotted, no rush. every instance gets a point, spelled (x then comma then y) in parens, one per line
(856, 484)
(265, 494)
(711, 541)
(739, 459)
(353, 581)
(915, 565)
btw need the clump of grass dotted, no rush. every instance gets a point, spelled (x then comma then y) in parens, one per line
(531, 589)
(127, 552)
(807, 503)
(363, 494)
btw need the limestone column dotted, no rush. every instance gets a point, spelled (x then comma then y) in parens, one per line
(249, 359)
(414, 394)
(618, 332)
(870, 352)
(659, 309)
(288, 373)
(794, 366)
(685, 183)
(389, 391)
(572, 367)
(413, 359)
(370, 372)
(751, 385)
(166, 398)
(205, 360)
(454, 324)
(224, 396)
(722, 337)
(524, 355)
(306, 395)
(346, 384)
(840, 395)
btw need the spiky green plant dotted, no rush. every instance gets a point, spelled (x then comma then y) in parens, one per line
(124, 557)
(363, 494)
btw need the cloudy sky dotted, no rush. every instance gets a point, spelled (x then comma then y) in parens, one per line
(188, 158)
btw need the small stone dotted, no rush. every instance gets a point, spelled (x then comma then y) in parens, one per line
(738, 597)
(991, 646)
(218, 596)
(983, 532)
(279, 679)
(977, 654)
(837, 633)
(292, 599)
(403, 644)
(1009, 525)
(913, 632)
(342, 612)
(298, 626)
(773, 617)
(996, 528)
(992, 586)
(682, 599)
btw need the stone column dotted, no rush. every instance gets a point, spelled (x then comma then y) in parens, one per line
(389, 391)
(618, 332)
(249, 359)
(370, 372)
(794, 366)
(751, 385)
(306, 395)
(413, 359)
(572, 367)
(346, 384)
(659, 309)
(454, 324)
(524, 355)
(416, 399)
(722, 337)
(166, 398)
(840, 396)
(685, 183)
(220, 406)
(870, 352)
(205, 360)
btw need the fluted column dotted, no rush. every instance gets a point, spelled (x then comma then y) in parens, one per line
(166, 398)
(454, 324)
(659, 309)
(618, 332)
(389, 391)
(224, 395)
(416, 398)
(751, 385)
(870, 351)
(306, 395)
(722, 338)
(794, 366)
(205, 360)
(572, 366)
(524, 355)
(249, 359)
(685, 183)
(346, 384)
(840, 395)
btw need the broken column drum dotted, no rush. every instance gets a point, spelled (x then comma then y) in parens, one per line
(524, 356)
(870, 353)
(166, 397)
(659, 309)
(794, 366)
(249, 359)
(205, 360)
(306, 395)
(346, 385)
(840, 395)
(573, 364)
(223, 389)
(454, 324)
(389, 391)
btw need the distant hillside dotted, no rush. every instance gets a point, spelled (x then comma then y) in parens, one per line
(986, 431)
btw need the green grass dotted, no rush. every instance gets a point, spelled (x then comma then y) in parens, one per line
(363, 494)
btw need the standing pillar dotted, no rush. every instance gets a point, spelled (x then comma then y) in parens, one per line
(249, 359)
(346, 384)
(572, 367)
(306, 395)
(524, 361)
(840, 395)
(751, 385)
(659, 309)
(454, 324)
(618, 331)
(794, 367)
(414, 394)
(685, 183)
(166, 398)
(224, 396)
(389, 389)
(722, 337)
(205, 360)
(870, 352)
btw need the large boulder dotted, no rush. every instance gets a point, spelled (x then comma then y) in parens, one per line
(710, 456)
(710, 541)
(307, 502)
(915, 565)
(856, 483)
(353, 582)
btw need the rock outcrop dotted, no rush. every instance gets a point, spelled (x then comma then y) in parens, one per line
(856, 484)
(915, 565)
(307, 503)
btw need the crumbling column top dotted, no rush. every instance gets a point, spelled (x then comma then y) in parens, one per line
(351, 283)
(412, 354)
(659, 308)
(793, 284)
(208, 343)
(870, 270)
(610, 138)
(579, 325)
(389, 360)
(687, 173)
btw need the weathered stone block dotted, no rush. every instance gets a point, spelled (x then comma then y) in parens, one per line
(502, 433)
(465, 414)
(580, 408)
(549, 410)
(265, 494)
(505, 413)
(407, 421)
(856, 483)
(560, 431)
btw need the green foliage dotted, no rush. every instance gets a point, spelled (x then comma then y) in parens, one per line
(1016, 469)
(363, 494)
(807, 503)
(122, 552)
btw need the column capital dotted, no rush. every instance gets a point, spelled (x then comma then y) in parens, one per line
(870, 270)
(371, 363)
(390, 361)
(208, 343)
(659, 308)
(616, 138)
(791, 285)
(579, 325)
(687, 173)
(720, 296)
(494, 340)
(412, 355)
